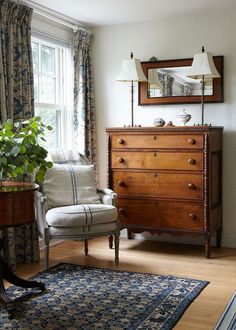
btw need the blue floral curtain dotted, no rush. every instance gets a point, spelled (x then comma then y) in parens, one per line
(84, 110)
(17, 102)
(16, 69)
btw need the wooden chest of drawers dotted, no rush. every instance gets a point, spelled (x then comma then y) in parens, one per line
(168, 180)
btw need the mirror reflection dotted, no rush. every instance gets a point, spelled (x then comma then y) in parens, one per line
(173, 81)
(168, 83)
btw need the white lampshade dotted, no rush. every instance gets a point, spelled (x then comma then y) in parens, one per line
(203, 65)
(131, 71)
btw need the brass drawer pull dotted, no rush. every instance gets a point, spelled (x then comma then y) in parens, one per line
(191, 186)
(155, 154)
(192, 161)
(120, 160)
(121, 210)
(121, 141)
(121, 183)
(193, 216)
(191, 141)
(154, 137)
(155, 175)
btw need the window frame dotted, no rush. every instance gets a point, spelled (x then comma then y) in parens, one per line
(63, 88)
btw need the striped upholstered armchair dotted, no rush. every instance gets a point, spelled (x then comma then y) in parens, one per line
(71, 207)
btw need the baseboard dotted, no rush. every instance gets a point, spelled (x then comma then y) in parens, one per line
(227, 240)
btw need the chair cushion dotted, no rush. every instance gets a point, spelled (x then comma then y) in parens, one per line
(67, 184)
(81, 215)
(97, 230)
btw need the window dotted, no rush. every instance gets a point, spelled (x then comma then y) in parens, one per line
(52, 90)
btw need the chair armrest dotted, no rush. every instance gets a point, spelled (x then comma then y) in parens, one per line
(107, 196)
(40, 207)
(39, 196)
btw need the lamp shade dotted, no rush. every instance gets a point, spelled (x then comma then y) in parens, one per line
(131, 71)
(203, 65)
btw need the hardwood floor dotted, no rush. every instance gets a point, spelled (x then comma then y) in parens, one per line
(159, 258)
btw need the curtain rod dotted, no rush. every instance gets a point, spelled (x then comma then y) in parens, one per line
(74, 27)
(50, 14)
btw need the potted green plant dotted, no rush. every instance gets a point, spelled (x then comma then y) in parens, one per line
(21, 155)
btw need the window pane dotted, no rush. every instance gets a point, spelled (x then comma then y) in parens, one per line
(50, 117)
(52, 65)
(35, 55)
(48, 60)
(48, 90)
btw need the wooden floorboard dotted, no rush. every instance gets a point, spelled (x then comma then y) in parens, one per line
(159, 258)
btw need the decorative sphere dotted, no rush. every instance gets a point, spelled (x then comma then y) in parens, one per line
(159, 122)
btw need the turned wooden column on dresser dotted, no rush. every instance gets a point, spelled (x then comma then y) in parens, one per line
(168, 179)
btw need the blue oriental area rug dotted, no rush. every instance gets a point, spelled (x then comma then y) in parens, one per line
(80, 297)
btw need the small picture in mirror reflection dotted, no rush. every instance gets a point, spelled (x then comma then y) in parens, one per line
(173, 81)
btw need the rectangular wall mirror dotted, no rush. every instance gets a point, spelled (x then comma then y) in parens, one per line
(167, 83)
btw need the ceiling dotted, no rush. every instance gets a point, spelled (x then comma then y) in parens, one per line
(109, 12)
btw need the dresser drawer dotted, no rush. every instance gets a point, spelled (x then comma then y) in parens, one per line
(159, 184)
(160, 214)
(159, 141)
(159, 160)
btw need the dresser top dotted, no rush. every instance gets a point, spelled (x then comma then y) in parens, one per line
(174, 129)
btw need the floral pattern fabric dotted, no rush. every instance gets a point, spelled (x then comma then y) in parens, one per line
(16, 69)
(21, 244)
(84, 139)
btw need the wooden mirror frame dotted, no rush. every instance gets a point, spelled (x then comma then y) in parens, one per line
(217, 97)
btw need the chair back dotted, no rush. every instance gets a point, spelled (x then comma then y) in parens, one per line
(64, 156)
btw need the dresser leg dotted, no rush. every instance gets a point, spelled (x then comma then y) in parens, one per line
(207, 245)
(218, 238)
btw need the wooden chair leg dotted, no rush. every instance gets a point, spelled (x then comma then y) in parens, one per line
(86, 246)
(117, 241)
(111, 241)
(46, 254)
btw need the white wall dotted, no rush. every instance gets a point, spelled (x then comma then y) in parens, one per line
(169, 39)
